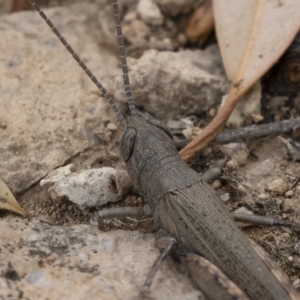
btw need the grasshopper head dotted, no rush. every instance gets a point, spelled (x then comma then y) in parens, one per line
(142, 134)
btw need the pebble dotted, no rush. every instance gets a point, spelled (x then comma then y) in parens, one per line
(150, 12)
(243, 210)
(237, 151)
(289, 194)
(290, 258)
(232, 164)
(278, 186)
(296, 262)
(283, 237)
(216, 184)
(225, 197)
(287, 205)
(188, 132)
(262, 197)
(241, 190)
(112, 127)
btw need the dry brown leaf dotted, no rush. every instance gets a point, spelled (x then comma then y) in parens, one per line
(252, 35)
(200, 24)
(8, 201)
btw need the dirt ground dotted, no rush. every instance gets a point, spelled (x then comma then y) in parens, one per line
(247, 185)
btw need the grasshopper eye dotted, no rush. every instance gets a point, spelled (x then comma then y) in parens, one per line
(161, 126)
(127, 144)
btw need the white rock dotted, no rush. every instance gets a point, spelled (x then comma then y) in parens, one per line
(225, 197)
(278, 186)
(89, 188)
(150, 12)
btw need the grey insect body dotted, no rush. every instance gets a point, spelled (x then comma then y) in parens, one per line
(183, 206)
(189, 210)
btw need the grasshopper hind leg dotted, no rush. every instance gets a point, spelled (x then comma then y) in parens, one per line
(167, 244)
(211, 280)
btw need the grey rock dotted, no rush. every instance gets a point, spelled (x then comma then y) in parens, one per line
(82, 262)
(192, 79)
(174, 7)
(47, 102)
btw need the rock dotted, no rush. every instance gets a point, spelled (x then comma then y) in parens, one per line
(225, 197)
(161, 79)
(289, 194)
(287, 205)
(48, 104)
(243, 210)
(216, 184)
(40, 261)
(175, 7)
(278, 186)
(232, 164)
(188, 132)
(262, 197)
(247, 106)
(136, 31)
(237, 151)
(296, 262)
(5, 6)
(88, 188)
(112, 127)
(284, 237)
(150, 13)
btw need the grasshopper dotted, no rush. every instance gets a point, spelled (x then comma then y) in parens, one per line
(193, 224)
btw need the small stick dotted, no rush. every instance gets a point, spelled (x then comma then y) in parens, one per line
(257, 131)
(250, 132)
(119, 212)
(265, 221)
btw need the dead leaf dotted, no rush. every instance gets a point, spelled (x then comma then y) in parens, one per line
(252, 36)
(200, 24)
(8, 201)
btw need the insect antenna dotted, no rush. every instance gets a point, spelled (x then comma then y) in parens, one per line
(123, 59)
(78, 60)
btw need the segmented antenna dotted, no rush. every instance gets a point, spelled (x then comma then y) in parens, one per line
(79, 61)
(123, 59)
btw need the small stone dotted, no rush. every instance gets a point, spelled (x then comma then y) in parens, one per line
(262, 197)
(278, 186)
(241, 190)
(225, 197)
(212, 112)
(289, 194)
(216, 184)
(287, 205)
(206, 151)
(257, 117)
(283, 237)
(130, 16)
(243, 210)
(290, 258)
(150, 12)
(188, 132)
(232, 164)
(237, 151)
(112, 127)
(296, 262)
(181, 39)
(139, 200)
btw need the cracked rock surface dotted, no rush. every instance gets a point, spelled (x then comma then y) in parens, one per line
(40, 261)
